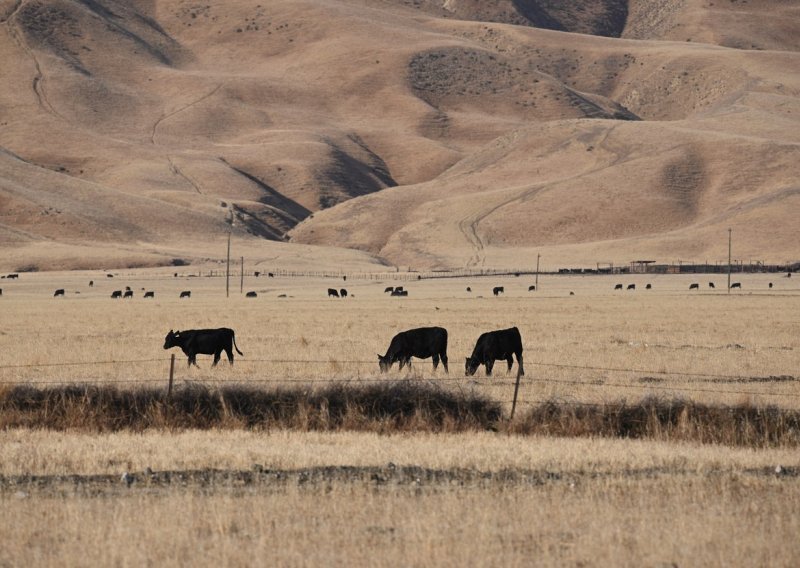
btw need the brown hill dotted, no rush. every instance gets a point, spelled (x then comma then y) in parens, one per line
(428, 133)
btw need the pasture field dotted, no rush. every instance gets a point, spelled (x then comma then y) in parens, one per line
(480, 498)
(596, 345)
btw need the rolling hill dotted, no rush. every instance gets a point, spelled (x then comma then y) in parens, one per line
(421, 133)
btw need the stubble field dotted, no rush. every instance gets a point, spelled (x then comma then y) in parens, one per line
(302, 498)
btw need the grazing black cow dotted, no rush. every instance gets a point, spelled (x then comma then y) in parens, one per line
(532, 288)
(770, 285)
(631, 286)
(400, 293)
(203, 342)
(186, 294)
(256, 274)
(91, 283)
(270, 275)
(128, 294)
(736, 285)
(333, 292)
(694, 286)
(711, 285)
(388, 290)
(344, 278)
(116, 294)
(494, 346)
(59, 292)
(648, 287)
(109, 276)
(469, 289)
(251, 294)
(13, 276)
(149, 294)
(618, 287)
(571, 293)
(497, 290)
(422, 342)
(343, 293)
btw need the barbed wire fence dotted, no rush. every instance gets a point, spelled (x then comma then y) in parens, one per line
(649, 378)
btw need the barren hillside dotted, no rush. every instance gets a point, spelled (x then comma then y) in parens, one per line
(427, 133)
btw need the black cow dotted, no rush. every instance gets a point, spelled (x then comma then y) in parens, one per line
(736, 285)
(116, 294)
(493, 346)
(203, 342)
(127, 288)
(422, 342)
(770, 285)
(128, 294)
(618, 287)
(398, 292)
(59, 292)
(251, 295)
(497, 290)
(186, 294)
(343, 293)
(388, 290)
(91, 283)
(711, 285)
(398, 288)
(694, 286)
(109, 276)
(150, 294)
(532, 288)
(256, 273)
(631, 286)
(333, 292)
(13, 276)
(469, 289)
(648, 287)
(270, 275)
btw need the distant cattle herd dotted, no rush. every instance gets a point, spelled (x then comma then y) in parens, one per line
(394, 291)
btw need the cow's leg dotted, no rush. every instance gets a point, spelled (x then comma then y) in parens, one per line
(435, 362)
(444, 362)
(229, 351)
(520, 368)
(489, 365)
(510, 361)
(216, 358)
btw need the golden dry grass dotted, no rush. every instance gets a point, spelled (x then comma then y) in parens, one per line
(594, 501)
(596, 346)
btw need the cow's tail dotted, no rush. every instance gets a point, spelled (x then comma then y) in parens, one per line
(233, 337)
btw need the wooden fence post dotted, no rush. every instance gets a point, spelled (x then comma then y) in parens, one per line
(172, 374)
(516, 390)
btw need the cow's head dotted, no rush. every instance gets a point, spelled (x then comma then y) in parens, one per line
(470, 366)
(384, 363)
(171, 340)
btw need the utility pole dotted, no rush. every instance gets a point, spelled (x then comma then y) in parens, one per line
(729, 261)
(241, 282)
(538, 256)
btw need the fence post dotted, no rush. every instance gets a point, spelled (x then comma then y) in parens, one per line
(516, 390)
(172, 374)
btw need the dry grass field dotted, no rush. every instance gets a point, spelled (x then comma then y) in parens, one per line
(473, 498)
(596, 345)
